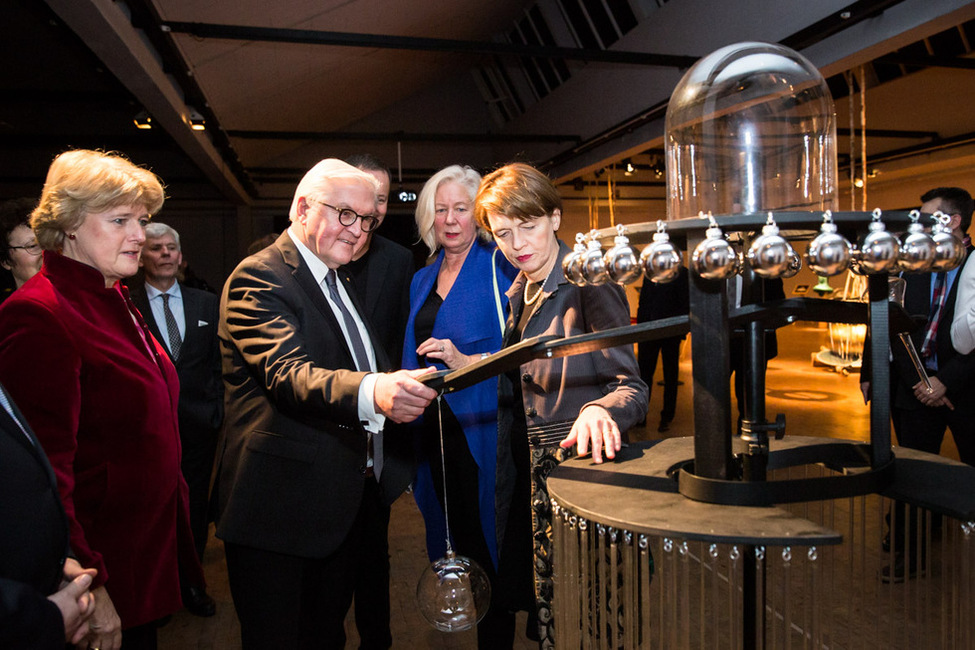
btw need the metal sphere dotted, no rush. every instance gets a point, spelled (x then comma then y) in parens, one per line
(660, 260)
(878, 251)
(769, 255)
(795, 264)
(829, 253)
(714, 258)
(917, 250)
(572, 266)
(621, 262)
(593, 267)
(949, 251)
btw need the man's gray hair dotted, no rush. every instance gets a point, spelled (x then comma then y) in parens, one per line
(317, 180)
(155, 230)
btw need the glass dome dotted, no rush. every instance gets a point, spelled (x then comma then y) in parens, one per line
(750, 128)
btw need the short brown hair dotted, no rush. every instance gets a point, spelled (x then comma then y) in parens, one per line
(516, 190)
(83, 181)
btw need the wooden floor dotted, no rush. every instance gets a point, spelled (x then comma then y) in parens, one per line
(816, 401)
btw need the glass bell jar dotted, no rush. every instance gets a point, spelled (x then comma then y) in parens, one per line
(750, 128)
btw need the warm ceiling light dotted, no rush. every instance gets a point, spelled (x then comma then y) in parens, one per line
(142, 121)
(630, 169)
(196, 121)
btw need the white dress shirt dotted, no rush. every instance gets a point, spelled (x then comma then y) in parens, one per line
(154, 296)
(963, 325)
(371, 419)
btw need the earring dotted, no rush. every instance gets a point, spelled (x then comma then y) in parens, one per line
(71, 235)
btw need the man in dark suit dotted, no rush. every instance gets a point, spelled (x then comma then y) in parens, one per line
(309, 464)
(184, 320)
(663, 300)
(44, 595)
(921, 416)
(381, 270)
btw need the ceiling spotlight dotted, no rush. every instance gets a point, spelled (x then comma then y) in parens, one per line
(196, 121)
(142, 121)
(406, 197)
(630, 169)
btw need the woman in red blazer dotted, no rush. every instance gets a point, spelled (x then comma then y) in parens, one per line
(101, 394)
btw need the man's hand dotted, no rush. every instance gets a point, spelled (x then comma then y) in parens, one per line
(594, 426)
(935, 396)
(401, 397)
(76, 605)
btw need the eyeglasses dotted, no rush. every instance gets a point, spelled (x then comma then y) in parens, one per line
(347, 217)
(35, 248)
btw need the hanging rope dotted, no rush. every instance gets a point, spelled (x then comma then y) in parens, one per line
(851, 93)
(443, 469)
(863, 137)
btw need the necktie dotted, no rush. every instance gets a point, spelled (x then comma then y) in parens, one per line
(362, 362)
(358, 349)
(172, 329)
(929, 347)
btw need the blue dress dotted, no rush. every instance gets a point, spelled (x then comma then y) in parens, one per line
(471, 316)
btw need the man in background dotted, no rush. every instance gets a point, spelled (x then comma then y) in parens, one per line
(381, 270)
(185, 321)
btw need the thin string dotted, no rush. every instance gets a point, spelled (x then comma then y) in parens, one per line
(443, 470)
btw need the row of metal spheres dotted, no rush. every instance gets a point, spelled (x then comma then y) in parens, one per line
(770, 255)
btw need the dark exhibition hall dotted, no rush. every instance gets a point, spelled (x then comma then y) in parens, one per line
(372, 358)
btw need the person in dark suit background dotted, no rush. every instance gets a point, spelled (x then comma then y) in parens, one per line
(192, 345)
(44, 594)
(381, 269)
(921, 417)
(309, 463)
(771, 289)
(662, 300)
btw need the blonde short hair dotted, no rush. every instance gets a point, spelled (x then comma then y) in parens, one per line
(426, 209)
(80, 182)
(517, 191)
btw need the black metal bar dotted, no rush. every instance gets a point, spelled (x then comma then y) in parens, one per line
(402, 136)
(710, 369)
(903, 58)
(389, 41)
(879, 371)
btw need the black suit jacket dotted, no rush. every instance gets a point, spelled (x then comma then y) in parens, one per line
(382, 278)
(292, 460)
(199, 367)
(33, 541)
(955, 371)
